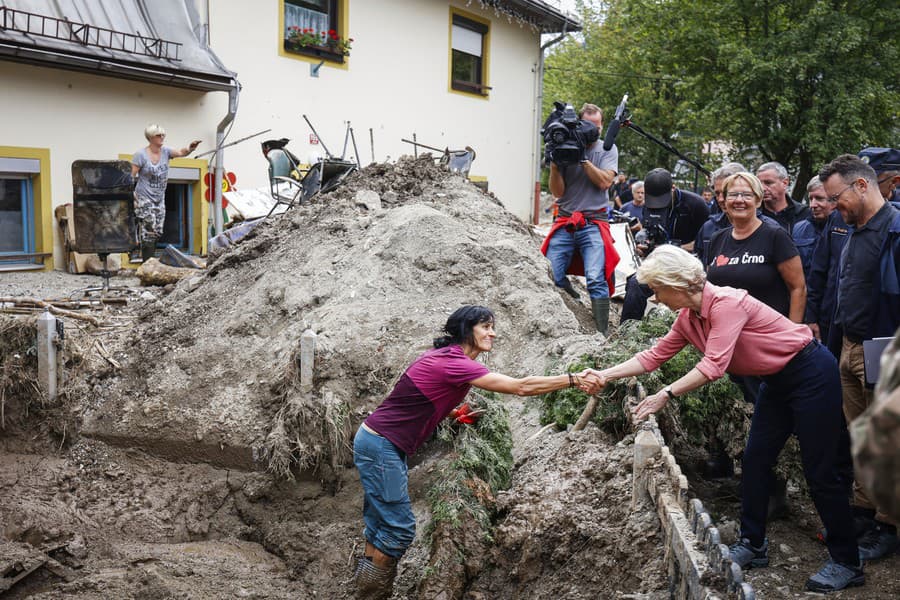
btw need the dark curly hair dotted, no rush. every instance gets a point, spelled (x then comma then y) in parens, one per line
(458, 328)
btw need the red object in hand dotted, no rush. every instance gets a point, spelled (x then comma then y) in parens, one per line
(464, 414)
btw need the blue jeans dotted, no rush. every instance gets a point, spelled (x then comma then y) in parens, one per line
(390, 523)
(804, 398)
(588, 242)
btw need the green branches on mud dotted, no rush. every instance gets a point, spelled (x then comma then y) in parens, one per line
(479, 465)
(461, 496)
(714, 411)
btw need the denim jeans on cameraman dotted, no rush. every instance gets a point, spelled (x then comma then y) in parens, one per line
(390, 523)
(590, 244)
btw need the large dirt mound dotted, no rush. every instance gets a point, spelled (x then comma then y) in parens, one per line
(214, 365)
(568, 529)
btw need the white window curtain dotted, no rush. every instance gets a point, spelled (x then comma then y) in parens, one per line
(304, 18)
(466, 40)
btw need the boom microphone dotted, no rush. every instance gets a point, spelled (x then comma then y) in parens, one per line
(613, 130)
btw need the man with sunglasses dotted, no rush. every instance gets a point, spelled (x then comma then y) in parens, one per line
(868, 306)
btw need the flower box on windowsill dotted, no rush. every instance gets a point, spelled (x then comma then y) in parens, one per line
(324, 52)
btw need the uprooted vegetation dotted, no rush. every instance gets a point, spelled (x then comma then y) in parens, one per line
(18, 369)
(699, 423)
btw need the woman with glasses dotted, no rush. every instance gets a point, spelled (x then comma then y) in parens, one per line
(754, 256)
(800, 394)
(150, 169)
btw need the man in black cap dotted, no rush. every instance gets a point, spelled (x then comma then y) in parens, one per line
(677, 214)
(886, 162)
(671, 216)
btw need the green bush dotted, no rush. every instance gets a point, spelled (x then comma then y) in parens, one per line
(696, 416)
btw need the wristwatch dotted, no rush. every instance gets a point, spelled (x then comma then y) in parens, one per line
(668, 391)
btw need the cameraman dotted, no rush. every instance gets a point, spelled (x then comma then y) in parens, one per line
(671, 216)
(582, 229)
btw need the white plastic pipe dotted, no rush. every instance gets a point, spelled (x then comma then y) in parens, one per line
(307, 359)
(46, 351)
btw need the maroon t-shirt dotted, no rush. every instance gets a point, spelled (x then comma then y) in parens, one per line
(432, 386)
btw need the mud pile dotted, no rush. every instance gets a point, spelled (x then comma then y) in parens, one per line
(166, 493)
(211, 370)
(569, 529)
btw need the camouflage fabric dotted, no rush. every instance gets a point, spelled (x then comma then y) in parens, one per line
(151, 216)
(876, 437)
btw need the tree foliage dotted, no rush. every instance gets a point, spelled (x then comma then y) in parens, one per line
(797, 82)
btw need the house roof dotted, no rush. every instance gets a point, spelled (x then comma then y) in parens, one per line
(157, 41)
(541, 14)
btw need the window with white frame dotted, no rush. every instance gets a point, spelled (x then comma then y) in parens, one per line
(468, 55)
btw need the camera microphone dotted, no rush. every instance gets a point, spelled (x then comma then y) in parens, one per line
(613, 130)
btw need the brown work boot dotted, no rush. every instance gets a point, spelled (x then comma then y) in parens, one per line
(375, 575)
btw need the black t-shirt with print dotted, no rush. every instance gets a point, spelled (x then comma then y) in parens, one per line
(752, 263)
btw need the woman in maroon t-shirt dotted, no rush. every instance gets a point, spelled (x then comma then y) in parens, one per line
(427, 392)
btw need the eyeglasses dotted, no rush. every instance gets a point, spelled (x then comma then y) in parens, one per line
(742, 195)
(836, 197)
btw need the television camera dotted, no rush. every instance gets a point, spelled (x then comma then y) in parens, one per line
(566, 137)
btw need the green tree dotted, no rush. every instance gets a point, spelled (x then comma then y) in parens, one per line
(797, 82)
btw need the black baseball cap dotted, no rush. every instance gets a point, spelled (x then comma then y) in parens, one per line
(658, 189)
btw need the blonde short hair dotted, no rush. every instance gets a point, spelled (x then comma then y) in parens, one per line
(748, 178)
(153, 129)
(672, 267)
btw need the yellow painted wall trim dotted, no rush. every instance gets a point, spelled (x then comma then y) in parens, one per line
(343, 31)
(486, 51)
(43, 199)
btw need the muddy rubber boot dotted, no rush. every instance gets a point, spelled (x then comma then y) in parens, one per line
(375, 581)
(147, 250)
(600, 310)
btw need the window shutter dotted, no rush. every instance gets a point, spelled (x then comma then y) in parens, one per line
(466, 40)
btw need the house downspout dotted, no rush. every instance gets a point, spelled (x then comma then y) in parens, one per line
(233, 93)
(539, 101)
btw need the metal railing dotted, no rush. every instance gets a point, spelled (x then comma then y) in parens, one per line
(86, 34)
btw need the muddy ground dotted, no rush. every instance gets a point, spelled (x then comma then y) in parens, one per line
(155, 475)
(184, 459)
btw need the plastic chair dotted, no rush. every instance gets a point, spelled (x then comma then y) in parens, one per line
(281, 167)
(459, 161)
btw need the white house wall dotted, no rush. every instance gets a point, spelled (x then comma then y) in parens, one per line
(80, 116)
(396, 82)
